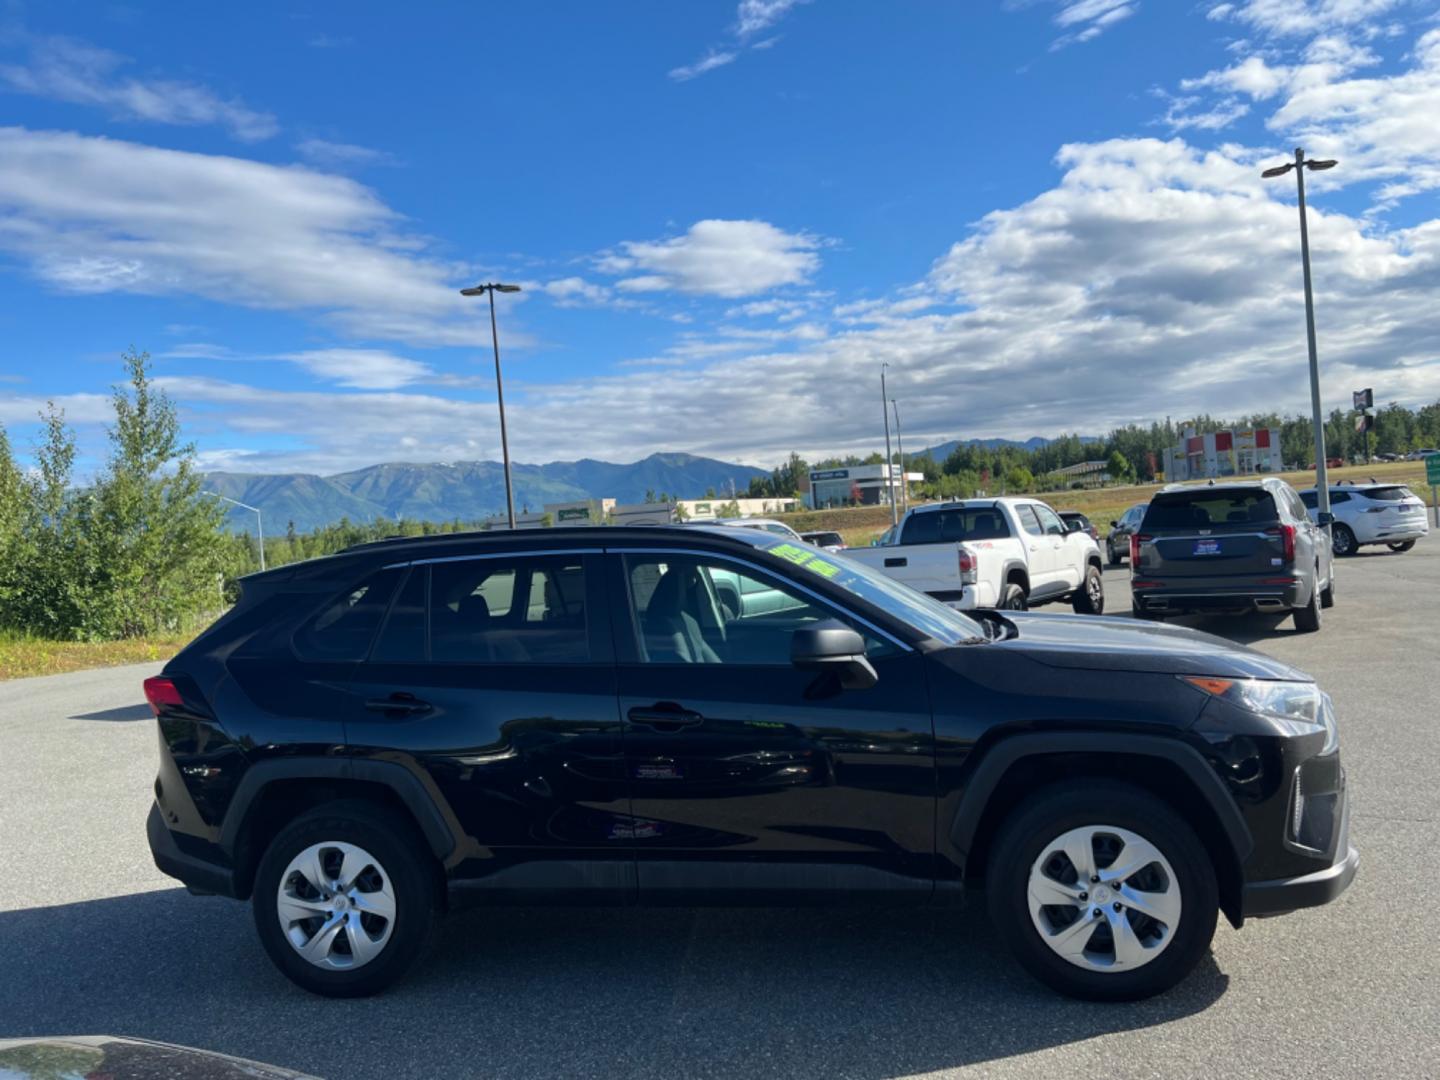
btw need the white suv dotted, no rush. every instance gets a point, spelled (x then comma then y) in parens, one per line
(1372, 514)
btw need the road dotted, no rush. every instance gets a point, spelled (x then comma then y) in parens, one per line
(94, 939)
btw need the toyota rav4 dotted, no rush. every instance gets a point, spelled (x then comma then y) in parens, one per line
(726, 716)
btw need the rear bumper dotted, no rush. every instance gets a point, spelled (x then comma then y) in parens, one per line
(1263, 898)
(1177, 597)
(198, 875)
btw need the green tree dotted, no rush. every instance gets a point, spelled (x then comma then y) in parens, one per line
(1118, 466)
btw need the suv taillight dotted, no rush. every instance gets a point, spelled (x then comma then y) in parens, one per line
(1135, 541)
(1287, 540)
(967, 568)
(159, 692)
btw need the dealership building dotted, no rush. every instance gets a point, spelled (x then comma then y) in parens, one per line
(1236, 452)
(867, 485)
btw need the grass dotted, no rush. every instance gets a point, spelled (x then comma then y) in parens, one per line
(861, 524)
(21, 657)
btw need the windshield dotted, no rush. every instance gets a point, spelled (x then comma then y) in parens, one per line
(915, 609)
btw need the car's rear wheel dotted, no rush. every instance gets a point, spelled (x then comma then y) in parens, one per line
(1342, 540)
(1013, 598)
(1102, 891)
(345, 899)
(1090, 598)
(1307, 618)
(1138, 612)
(1327, 594)
(1403, 545)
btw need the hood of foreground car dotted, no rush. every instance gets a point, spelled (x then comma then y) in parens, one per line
(1107, 643)
(127, 1059)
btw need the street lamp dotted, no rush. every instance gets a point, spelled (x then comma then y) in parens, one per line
(885, 412)
(1322, 484)
(259, 523)
(492, 288)
(900, 449)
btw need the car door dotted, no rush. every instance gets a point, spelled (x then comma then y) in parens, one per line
(492, 678)
(1066, 547)
(1040, 552)
(750, 778)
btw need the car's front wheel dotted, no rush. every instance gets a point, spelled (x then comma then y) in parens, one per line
(345, 899)
(1102, 891)
(1090, 598)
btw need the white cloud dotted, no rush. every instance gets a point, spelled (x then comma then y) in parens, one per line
(1086, 20)
(363, 369)
(717, 258)
(1297, 17)
(94, 215)
(709, 62)
(754, 16)
(575, 292)
(341, 156)
(64, 69)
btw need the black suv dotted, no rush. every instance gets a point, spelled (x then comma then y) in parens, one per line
(725, 716)
(1238, 545)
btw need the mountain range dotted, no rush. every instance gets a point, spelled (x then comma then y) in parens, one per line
(945, 449)
(464, 490)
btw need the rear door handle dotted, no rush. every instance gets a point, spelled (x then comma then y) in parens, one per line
(664, 717)
(399, 702)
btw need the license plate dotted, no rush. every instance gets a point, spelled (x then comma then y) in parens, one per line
(1207, 547)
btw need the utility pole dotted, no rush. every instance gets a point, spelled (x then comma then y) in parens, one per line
(900, 449)
(491, 289)
(885, 412)
(1322, 482)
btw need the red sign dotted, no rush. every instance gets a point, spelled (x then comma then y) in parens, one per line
(1222, 440)
(1262, 437)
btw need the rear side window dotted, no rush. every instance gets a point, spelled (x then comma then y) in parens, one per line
(1312, 500)
(1387, 494)
(1207, 509)
(967, 523)
(501, 611)
(344, 627)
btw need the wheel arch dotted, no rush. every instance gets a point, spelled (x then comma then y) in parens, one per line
(272, 793)
(1017, 573)
(1015, 768)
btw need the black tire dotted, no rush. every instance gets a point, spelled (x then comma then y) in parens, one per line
(1089, 599)
(1012, 598)
(1342, 540)
(1403, 545)
(1053, 811)
(1327, 594)
(1307, 618)
(403, 857)
(1110, 554)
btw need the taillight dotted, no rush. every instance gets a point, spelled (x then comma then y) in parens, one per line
(159, 692)
(1287, 540)
(967, 568)
(1135, 541)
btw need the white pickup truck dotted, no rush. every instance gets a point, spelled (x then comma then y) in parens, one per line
(991, 553)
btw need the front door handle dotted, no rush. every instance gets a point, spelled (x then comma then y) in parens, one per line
(664, 716)
(399, 702)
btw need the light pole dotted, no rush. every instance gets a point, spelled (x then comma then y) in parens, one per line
(259, 523)
(885, 412)
(900, 449)
(492, 288)
(1322, 483)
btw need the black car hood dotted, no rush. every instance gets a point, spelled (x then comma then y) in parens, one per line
(127, 1059)
(1106, 643)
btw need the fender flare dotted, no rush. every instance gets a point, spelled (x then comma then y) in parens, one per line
(441, 831)
(998, 759)
(1014, 564)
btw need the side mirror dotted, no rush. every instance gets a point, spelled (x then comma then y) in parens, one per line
(832, 646)
(1325, 519)
(1114, 524)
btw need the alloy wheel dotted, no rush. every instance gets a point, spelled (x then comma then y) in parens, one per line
(336, 905)
(1104, 898)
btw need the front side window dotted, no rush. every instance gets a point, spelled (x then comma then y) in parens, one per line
(695, 610)
(490, 611)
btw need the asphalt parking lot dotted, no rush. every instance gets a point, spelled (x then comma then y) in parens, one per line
(94, 940)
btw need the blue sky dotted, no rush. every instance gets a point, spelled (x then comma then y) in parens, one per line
(726, 216)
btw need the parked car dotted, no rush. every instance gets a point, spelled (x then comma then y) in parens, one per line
(1077, 518)
(1364, 514)
(367, 739)
(1241, 545)
(770, 525)
(110, 1057)
(1117, 542)
(830, 541)
(1009, 553)
(1421, 455)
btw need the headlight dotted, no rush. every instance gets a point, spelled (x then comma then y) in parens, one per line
(1299, 707)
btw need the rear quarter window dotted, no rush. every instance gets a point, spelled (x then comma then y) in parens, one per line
(344, 626)
(1210, 509)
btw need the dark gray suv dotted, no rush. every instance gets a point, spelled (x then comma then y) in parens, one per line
(1241, 545)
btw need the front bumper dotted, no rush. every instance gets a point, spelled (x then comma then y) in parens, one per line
(1263, 898)
(198, 875)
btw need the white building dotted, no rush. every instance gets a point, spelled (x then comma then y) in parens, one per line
(867, 485)
(1238, 452)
